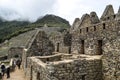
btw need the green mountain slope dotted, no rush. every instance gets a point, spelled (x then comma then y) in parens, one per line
(10, 29)
(54, 21)
(7, 29)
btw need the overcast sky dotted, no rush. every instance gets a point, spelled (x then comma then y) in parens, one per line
(68, 9)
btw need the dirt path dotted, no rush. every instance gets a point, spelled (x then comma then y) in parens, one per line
(16, 75)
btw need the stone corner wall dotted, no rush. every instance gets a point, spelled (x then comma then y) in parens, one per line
(78, 69)
(111, 60)
(41, 45)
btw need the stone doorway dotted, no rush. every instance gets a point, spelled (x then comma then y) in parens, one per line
(69, 50)
(83, 77)
(58, 45)
(100, 47)
(82, 47)
(38, 76)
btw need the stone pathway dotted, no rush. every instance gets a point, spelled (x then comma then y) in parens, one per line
(16, 75)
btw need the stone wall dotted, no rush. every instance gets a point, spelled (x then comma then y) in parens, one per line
(76, 69)
(110, 47)
(107, 31)
(51, 58)
(15, 52)
(111, 60)
(34, 67)
(62, 42)
(40, 45)
(24, 59)
(90, 36)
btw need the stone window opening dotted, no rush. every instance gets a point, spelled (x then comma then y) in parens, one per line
(93, 15)
(38, 76)
(104, 25)
(47, 59)
(108, 18)
(69, 50)
(100, 47)
(94, 28)
(114, 16)
(40, 50)
(80, 30)
(82, 47)
(63, 66)
(83, 77)
(58, 45)
(87, 29)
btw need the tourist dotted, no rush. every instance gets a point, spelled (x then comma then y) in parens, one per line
(14, 64)
(8, 71)
(0, 75)
(3, 69)
(18, 63)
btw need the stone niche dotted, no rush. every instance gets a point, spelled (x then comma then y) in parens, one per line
(64, 67)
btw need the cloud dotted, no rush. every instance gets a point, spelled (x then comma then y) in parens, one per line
(68, 9)
(31, 9)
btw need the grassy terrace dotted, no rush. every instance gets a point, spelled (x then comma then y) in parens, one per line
(20, 40)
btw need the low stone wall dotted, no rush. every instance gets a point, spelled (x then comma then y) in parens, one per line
(76, 69)
(56, 57)
(36, 70)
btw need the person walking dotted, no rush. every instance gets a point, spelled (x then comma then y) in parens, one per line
(18, 63)
(13, 64)
(3, 69)
(8, 71)
(0, 75)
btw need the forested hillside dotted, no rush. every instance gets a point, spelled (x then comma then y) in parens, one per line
(10, 29)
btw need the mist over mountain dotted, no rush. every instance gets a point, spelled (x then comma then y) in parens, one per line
(11, 15)
(68, 9)
(9, 29)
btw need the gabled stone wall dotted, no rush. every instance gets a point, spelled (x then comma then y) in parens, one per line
(41, 45)
(107, 31)
(89, 36)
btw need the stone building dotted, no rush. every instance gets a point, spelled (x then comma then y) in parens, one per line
(36, 44)
(100, 37)
(89, 50)
(64, 67)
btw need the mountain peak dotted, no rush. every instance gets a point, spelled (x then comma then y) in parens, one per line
(53, 20)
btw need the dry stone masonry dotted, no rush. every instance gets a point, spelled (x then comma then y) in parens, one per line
(58, 68)
(89, 50)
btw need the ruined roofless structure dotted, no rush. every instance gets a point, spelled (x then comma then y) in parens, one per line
(90, 50)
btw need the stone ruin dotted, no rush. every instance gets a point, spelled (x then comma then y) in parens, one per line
(64, 67)
(89, 50)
